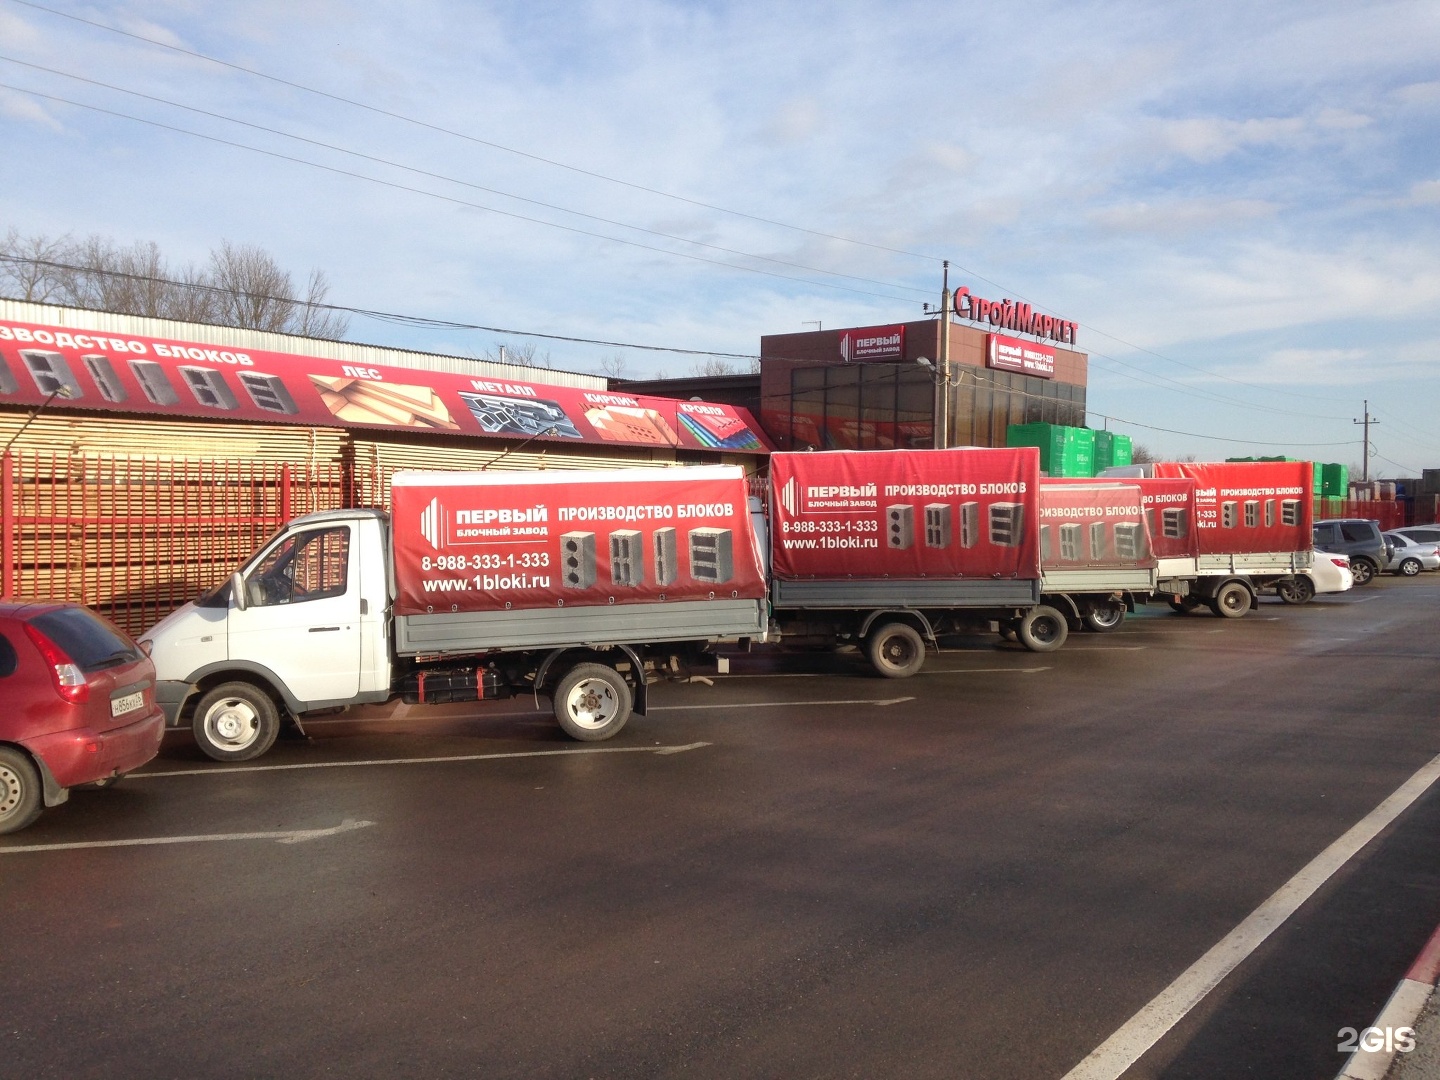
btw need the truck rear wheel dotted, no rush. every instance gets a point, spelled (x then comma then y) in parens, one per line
(1043, 629)
(1232, 600)
(1105, 617)
(236, 721)
(592, 702)
(896, 650)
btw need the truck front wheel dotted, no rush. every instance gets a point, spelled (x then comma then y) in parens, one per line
(235, 722)
(1043, 629)
(896, 650)
(592, 702)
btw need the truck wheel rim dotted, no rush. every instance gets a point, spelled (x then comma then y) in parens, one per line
(592, 703)
(1045, 629)
(897, 651)
(232, 723)
(1107, 616)
(11, 790)
(1232, 601)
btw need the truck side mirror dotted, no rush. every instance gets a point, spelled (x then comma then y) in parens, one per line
(237, 591)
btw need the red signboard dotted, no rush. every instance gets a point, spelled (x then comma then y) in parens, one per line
(1244, 507)
(161, 376)
(1012, 354)
(1093, 526)
(905, 514)
(502, 541)
(873, 343)
(1014, 315)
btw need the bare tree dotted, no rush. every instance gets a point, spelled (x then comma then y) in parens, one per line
(1140, 454)
(27, 271)
(242, 286)
(712, 366)
(526, 355)
(614, 365)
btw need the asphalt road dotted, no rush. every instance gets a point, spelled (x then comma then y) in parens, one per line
(798, 870)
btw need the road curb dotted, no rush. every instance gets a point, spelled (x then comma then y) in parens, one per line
(1401, 1011)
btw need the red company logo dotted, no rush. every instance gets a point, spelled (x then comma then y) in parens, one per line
(1013, 315)
(873, 343)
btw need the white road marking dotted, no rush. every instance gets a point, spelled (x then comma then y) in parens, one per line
(828, 675)
(219, 771)
(286, 836)
(1143, 1030)
(1105, 648)
(775, 704)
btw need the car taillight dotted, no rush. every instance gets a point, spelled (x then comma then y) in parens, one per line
(69, 679)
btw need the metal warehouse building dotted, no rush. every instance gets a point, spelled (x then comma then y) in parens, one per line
(144, 459)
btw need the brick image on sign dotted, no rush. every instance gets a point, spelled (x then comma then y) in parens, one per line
(1130, 540)
(106, 381)
(577, 559)
(937, 525)
(51, 373)
(712, 555)
(667, 557)
(209, 387)
(900, 526)
(627, 557)
(1007, 524)
(154, 382)
(969, 524)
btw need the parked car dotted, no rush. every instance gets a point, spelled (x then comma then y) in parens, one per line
(1410, 556)
(79, 706)
(1358, 538)
(1329, 573)
(1426, 534)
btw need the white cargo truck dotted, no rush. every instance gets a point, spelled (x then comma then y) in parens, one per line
(570, 584)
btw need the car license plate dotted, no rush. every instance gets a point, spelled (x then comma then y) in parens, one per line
(129, 703)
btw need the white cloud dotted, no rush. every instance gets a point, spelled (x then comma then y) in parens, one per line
(27, 109)
(1208, 139)
(1425, 193)
(1180, 216)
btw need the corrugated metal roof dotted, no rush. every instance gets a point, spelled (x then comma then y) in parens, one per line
(205, 334)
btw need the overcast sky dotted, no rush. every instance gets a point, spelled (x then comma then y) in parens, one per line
(1239, 203)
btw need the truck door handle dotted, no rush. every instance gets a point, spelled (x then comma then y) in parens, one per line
(322, 629)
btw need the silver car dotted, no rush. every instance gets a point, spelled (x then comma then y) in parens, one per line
(1411, 555)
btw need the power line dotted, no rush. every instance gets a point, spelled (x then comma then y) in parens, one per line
(448, 198)
(469, 138)
(381, 316)
(624, 183)
(454, 180)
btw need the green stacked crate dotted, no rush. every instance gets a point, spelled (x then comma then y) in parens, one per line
(1064, 451)
(1111, 450)
(1336, 482)
(1317, 478)
(1081, 462)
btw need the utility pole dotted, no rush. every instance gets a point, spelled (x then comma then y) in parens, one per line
(942, 376)
(1365, 458)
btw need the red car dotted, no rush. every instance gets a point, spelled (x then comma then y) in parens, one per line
(79, 706)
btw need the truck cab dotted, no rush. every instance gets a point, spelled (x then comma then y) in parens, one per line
(301, 626)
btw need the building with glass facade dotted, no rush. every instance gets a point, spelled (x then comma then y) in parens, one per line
(881, 387)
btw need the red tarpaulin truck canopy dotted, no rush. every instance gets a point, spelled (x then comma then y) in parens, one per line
(1241, 507)
(1093, 525)
(909, 514)
(469, 542)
